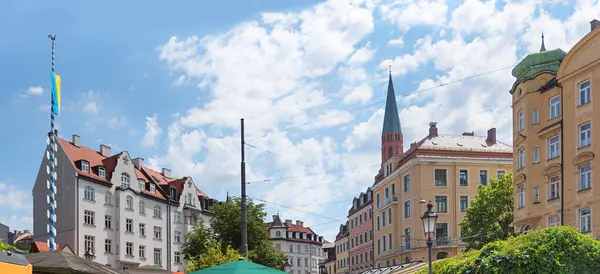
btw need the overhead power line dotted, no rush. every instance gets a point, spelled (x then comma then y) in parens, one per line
(295, 209)
(312, 174)
(380, 102)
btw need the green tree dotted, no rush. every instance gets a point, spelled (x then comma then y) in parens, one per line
(559, 250)
(4, 246)
(213, 255)
(227, 222)
(490, 216)
(196, 241)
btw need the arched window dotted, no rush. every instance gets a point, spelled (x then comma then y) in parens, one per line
(88, 193)
(142, 208)
(526, 229)
(157, 211)
(277, 234)
(124, 180)
(108, 198)
(441, 255)
(129, 202)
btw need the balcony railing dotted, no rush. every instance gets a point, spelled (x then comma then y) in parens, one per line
(390, 199)
(419, 244)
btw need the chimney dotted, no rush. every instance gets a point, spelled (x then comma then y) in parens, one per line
(288, 222)
(491, 135)
(594, 24)
(138, 162)
(472, 133)
(299, 223)
(166, 172)
(105, 150)
(75, 140)
(433, 130)
(55, 133)
(413, 145)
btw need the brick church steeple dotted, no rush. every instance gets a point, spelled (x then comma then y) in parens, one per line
(391, 135)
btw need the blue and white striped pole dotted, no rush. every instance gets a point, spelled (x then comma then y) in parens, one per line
(51, 168)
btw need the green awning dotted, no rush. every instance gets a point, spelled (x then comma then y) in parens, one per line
(240, 266)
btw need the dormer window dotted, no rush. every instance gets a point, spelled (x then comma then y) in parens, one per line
(173, 193)
(85, 166)
(102, 172)
(142, 184)
(152, 188)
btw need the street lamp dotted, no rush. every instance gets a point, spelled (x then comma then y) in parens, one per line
(89, 255)
(429, 219)
(286, 266)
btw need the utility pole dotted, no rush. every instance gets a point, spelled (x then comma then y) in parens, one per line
(244, 213)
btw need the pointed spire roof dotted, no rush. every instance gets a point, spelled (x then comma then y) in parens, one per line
(277, 222)
(391, 120)
(543, 47)
(227, 199)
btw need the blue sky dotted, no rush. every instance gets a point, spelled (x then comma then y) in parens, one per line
(169, 81)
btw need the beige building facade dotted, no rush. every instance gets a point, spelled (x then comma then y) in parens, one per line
(553, 121)
(341, 250)
(443, 169)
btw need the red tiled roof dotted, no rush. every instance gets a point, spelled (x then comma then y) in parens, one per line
(96, 159)
(43, 247)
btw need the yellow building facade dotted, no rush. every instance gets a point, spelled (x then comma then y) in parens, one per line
(341, 250)
(554, 137)
(441, 168)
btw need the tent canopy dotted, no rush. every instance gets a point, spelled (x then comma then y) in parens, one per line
(240, 266)
(65, 262)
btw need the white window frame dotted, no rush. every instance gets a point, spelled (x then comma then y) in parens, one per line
(142, 184)
(554, 107)
(89, 243)
(521, 196)
(125, 180)
(157, 233)
(535, 119)
(89, 193)
(142, 207)
(157, 256)
(536, 195)
(521, 159)
(157, 212)
(536, 155)
(585, 219)
(437, 209)
(585, 92)
(108, 246)
(129, 202)
(142, 229)
(435, 182)
(142, 251)
(585, 177)
(554, 188)
(585, 134)
(177, 257)
(553, 147)
(102, 172)
(521, 120)
(460, 172)
(177, 236)
(152, 188)
(553, 221)
(129, 249)
(85, 166)
(129, 225)
(107, 221)
(89, 217)
(460, 208)
(487, 177)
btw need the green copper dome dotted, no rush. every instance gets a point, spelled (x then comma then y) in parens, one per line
(532, 64)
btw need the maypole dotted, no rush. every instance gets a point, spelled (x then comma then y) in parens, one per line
(51, 153)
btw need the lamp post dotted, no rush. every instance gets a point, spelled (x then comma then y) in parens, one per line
(286, 266)
(89, 255)
(429, 219)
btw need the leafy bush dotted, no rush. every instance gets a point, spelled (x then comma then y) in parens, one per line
(551, 250)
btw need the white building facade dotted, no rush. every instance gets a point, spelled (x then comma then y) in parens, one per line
(302, 245)
(116, 209)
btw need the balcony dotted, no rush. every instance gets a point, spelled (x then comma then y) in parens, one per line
(389, 200)
(441, 242)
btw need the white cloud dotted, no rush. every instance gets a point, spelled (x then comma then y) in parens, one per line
(33, 90)
(297, 70)
(18, 222)
(14, 198)
(90, 103)
(153, 131)
(116, 122)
